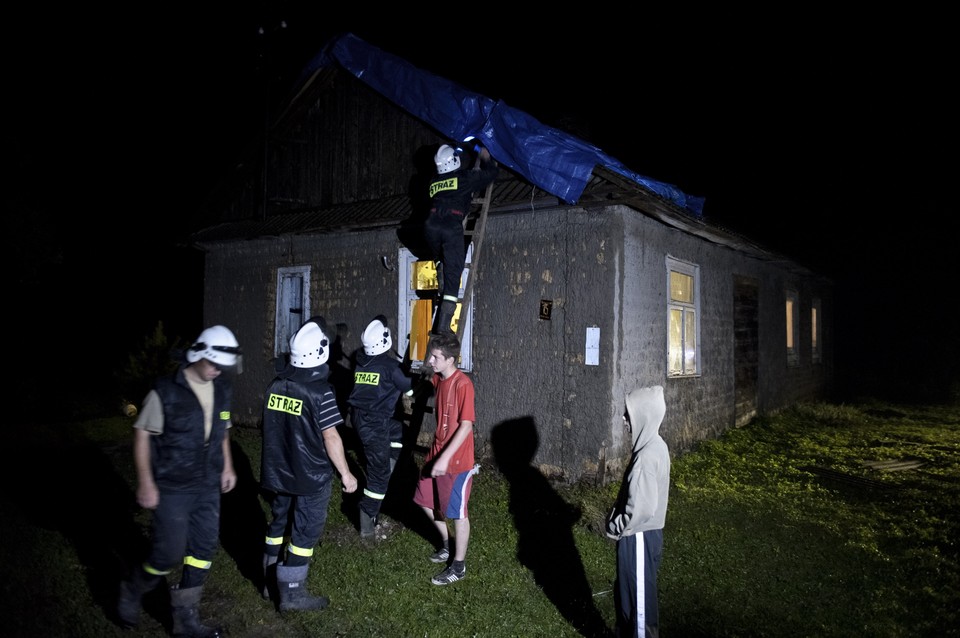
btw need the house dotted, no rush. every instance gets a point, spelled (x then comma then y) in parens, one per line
(593, 280)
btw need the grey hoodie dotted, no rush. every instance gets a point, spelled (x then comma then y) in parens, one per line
(642, 502)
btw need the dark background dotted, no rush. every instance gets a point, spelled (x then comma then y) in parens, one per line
(828, 138)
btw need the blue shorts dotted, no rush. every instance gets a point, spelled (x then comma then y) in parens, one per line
(447, 494)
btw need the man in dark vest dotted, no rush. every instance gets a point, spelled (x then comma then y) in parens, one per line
(181, 449)
(301, 449)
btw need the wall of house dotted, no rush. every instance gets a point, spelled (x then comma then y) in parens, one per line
(782, 384)
(596, 268)
(525, 367)
(531, 368)
(704, 406)
(349, 286)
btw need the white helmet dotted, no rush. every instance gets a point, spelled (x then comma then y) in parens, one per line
(376, 337)
(217, 345)
(446, 159)
(310, 347)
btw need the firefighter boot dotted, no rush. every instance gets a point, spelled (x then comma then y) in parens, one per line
(269, 574)
(367, 526)
(131, 593)
(185, 604)
(444, 317)
(292, 585)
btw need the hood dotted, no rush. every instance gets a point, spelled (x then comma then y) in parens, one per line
(645, 407)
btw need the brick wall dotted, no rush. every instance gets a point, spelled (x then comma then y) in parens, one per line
(598, 268)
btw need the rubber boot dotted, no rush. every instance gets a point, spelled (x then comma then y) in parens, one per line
(367, 526)
(269, 574)
(185, 604)
(444, 317)
(292, 585)
(132, 591)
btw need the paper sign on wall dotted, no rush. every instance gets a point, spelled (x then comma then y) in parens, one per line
(593, 346)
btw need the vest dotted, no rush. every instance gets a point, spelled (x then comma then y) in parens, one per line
(294, 455)
(374, 388)
(181, 460)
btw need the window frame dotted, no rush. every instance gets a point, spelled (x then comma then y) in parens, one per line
(686, 309)
(283, 328)
(816, 331)
(791, 309)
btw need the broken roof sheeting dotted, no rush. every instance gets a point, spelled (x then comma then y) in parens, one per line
(551, 159)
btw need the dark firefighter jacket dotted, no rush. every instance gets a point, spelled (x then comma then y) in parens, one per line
(299, 406)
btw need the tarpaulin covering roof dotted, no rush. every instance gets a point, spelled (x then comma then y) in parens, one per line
(549, 158)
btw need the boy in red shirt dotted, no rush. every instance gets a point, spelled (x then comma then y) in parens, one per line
(444, 487)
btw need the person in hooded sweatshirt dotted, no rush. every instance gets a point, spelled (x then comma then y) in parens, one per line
(637, 518)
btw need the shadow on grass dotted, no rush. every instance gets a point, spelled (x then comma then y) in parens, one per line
(544, 523)
(71, 486)
(79, 490)
(243, 523)
(398, 503)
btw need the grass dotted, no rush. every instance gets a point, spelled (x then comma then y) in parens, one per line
(799, 524)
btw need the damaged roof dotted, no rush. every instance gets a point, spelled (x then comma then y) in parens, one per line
(553, 160)
(544, 166)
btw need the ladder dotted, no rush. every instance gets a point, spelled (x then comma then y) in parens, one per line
(476, 235)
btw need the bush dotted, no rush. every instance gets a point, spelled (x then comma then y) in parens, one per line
(155, 357)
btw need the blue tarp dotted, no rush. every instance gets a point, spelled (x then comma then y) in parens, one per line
(549, 158)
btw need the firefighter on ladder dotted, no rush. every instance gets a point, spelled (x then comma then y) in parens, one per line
(451, 195)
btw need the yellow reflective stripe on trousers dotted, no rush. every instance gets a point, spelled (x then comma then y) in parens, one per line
(375, 495)
(196, 562)
(273, 540)
(155, 572)
(299, 551)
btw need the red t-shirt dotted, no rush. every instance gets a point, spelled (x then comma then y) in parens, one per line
(453, 403)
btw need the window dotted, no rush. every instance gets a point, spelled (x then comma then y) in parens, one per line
(815, 331)
(417, 291)
(293, 305)
(793, 326)
(683, 318)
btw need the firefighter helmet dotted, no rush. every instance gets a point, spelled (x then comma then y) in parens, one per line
(217, 345)
(310, 347)
(376, 337)
(446, 159)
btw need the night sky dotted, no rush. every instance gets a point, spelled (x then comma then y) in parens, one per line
(827, 138)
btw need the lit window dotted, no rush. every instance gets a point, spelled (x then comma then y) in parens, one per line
(417, 292)
(792, 315)
(815, 331)
(683, 326)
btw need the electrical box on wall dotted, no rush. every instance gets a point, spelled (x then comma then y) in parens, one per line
(546, 309)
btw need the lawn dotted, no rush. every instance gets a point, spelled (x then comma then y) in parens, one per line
(823, 520)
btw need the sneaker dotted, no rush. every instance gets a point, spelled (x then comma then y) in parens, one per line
(442, 555)
(448, 576)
